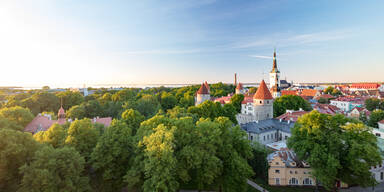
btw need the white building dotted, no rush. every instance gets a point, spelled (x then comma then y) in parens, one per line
(381, 124)
(203, 94)
(268, 131)
(260, 108)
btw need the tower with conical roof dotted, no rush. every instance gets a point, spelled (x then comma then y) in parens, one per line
(239, 89)
(274, 75)
(262, 103)
(203, 94)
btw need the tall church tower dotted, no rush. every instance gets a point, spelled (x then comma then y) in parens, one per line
(274, 78)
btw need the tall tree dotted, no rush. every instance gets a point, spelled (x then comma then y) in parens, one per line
(148, 105)
(236, 101)
(132, 118)
(291, 102)
(19, 115)
(376, 116)
(112, 155)
(372, 104)
(70, 98)
(337, 148)
(167, 101)
(16, 149)
(54, 136)
(82, 136)
(54, 170)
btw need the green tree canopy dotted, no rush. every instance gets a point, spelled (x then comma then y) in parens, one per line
(82, 136)
(167, 101)
(376, 116)
(337, 148)
(112, 155)
(54, 136)
(372, 104)
(177, 152)
(70, 98)
(54, 170)
(291, 102)
(132, 118)
(329, 90)
(19, 115)
(236, 101)
(16, 149)
(212, 110)
(77, 112)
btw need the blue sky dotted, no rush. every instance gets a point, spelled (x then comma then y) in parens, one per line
(72, 42)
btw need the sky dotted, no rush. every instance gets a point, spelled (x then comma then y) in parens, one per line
(74, 42)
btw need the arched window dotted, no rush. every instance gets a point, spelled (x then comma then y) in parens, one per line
(293, 181)
(307, 181)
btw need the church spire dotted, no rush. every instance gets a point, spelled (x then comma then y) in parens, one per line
(274, 69)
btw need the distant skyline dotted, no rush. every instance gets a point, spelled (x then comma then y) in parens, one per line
(71, 43)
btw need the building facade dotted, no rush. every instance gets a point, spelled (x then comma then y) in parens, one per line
(259, 108)
(286, 170)
(203, 94)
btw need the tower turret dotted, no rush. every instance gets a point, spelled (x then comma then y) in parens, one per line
(274, 75)
(203, 94)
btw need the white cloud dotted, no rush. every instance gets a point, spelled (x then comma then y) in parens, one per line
(285, 40)
(261, 56)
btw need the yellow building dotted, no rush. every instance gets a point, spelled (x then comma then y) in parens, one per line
(285, 169)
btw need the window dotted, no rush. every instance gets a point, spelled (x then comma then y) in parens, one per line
(271, 135)
(378, 134)
(295, 172)
(286, 137)
(268, 137)
(264, 137)
(261, 102)
(277, 163)
(277, 171)
(293, 181)
(267, 102)
(251, 137)
(307, 181)
(277, 181)
(290, 172)
(381, 175)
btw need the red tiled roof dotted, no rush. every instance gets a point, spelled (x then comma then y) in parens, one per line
(207, 86)
(106, 121)
(325, 96)
(262, 92)
(239, 86)
(365, 85)
(288, 92)
(308, 92)
(203, 89)
(292, 116)
(326, 108)
(248, 99)
(223, 100)
(39, 122)
(61, 111)
(381, 122)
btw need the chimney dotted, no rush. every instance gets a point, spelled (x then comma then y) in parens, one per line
(235, 79)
